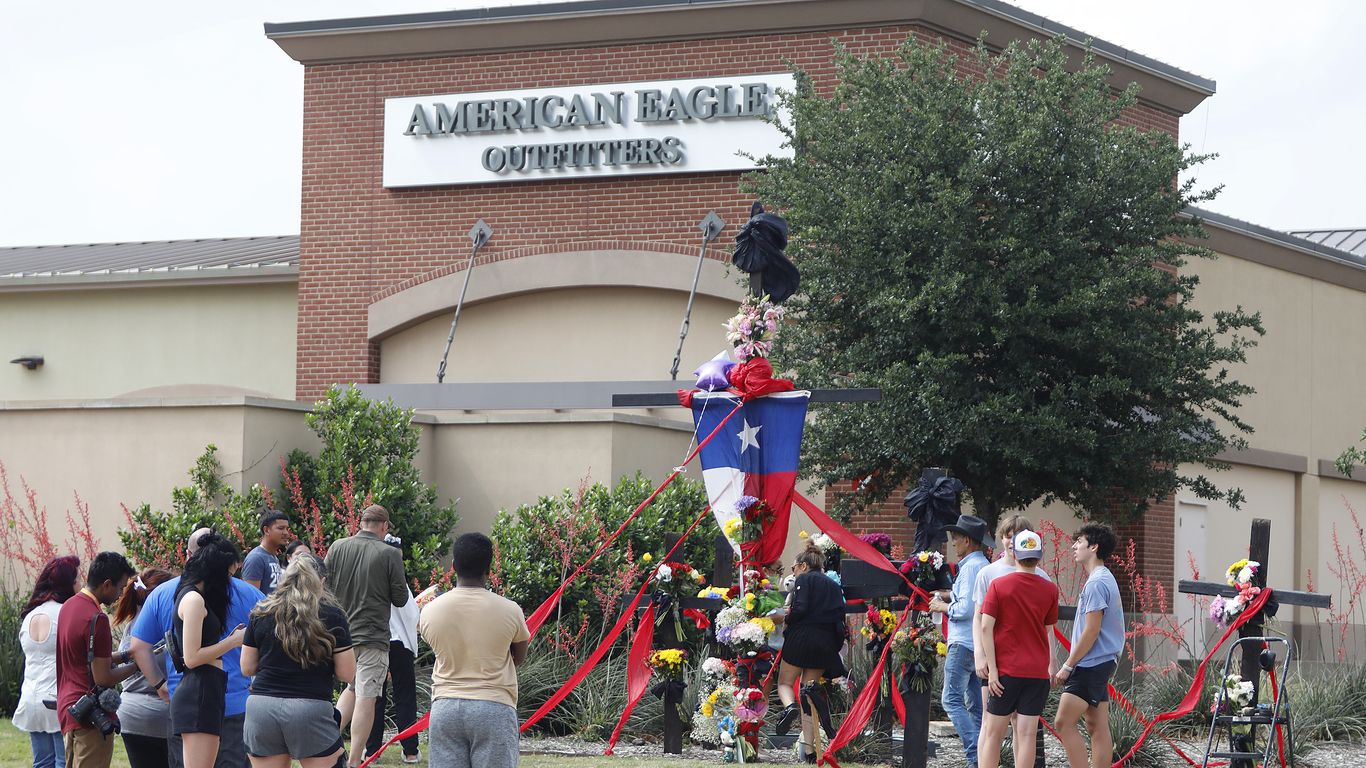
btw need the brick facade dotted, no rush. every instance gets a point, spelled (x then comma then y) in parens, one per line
(360, 240)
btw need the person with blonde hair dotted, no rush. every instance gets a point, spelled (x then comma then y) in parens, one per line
(297, 641)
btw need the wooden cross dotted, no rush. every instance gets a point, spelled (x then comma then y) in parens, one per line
(1259, 550)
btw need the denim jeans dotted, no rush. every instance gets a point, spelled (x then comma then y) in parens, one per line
(962, 698)
(48, 750)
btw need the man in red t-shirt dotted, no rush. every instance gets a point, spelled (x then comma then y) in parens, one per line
(1018, 615)
(82, 654)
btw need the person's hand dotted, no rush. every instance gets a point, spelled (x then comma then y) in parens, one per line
(1061, 676)
(237, 635)
(980, 662)
(994, 684)
(161, 691)
(939, 606)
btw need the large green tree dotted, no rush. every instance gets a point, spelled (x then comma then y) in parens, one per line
(1002, 257)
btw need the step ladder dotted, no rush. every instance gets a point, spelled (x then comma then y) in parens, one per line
(1240, 748)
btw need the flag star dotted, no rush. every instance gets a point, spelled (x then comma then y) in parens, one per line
(747, 436)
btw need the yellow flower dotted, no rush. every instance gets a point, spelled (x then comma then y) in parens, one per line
(707, 709)
(900, 635)
(647, 557)
(764, 623)
(941, 649)
(733, 525)
(924, 557)
(749, 601)
(804, 534)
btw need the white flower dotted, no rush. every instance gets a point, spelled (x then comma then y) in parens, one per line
(824, 542)
(716, 667)
(1245, 575)
(665, 574)
(748, 633)
(731, 616)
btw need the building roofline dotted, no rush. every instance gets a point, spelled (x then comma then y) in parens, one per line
(1262, 245)
(1293, 242)
(581, 24)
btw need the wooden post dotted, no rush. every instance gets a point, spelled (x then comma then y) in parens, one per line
(723, 572)
(1259, 548)
(668, 638)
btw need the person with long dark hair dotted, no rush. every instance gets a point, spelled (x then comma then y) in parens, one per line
(811, 642)
(145, 711)
(57, 582)
(297, 642)
(201, 609)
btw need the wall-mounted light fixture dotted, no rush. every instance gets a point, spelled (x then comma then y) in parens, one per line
(30, 362)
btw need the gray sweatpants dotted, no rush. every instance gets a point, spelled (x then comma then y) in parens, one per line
(466, 733)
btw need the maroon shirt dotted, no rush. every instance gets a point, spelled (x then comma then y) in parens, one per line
(73, 638)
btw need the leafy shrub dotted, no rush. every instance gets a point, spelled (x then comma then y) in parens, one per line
(11, 655)
(367, 456)
(156, 539)
(541, 543)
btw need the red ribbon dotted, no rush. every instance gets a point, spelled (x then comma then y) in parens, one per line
(1192, 696)
(538, 617)
(608, 640)
(638, 672)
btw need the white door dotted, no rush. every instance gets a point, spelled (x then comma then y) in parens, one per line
(1190, 550)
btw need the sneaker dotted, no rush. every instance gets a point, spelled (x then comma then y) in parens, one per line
(786, 719)
(411, 759)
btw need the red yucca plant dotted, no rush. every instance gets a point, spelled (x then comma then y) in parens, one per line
(25, 541)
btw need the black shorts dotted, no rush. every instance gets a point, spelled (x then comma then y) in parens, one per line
(1090, 684)
(198, 701)
(1023, 696)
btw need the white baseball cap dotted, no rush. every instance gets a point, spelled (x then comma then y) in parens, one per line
(1028, 544)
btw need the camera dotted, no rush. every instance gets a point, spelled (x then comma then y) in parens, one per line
(94, 710)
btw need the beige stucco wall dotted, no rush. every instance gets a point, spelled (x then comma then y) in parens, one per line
(576, 334)
(106, 342)
(128, 452)
(1309, 366)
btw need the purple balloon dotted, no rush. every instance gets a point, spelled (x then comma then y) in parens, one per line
(713, 374)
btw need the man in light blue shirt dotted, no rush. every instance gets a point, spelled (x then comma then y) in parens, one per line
(962, 696)
(1097, 641)
(150, 627)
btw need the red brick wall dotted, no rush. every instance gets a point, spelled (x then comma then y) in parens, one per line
(359, 240)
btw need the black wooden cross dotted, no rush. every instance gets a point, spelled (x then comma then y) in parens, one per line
(1259, 548)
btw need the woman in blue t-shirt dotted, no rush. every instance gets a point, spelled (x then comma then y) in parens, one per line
(297, 641)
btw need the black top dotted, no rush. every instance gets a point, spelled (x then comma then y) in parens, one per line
(211, 630)
(816, 599)
(280, 676)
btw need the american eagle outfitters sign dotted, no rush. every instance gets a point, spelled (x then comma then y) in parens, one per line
(620, 129)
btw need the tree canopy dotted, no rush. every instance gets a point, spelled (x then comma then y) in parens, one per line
(1001, 256)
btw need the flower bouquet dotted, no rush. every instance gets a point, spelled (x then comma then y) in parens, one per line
(927, 570)
(1234, 696)
(753, 330)
(1224, 611)
(672, 582)
(669, 665)
(919, 646)
(878, 625)
(750, 706)
(755, 517)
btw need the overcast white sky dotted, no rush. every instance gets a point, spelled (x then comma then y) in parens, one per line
(165, 119)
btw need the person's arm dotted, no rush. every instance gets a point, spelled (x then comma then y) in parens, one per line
(141, 652)
(519, 652)
(102, 668)
(344, 664)
(398, 588)
(192, 612)
(989, 651)
(250, 661)
(979, 654)
(801, 600)
(1090, 631)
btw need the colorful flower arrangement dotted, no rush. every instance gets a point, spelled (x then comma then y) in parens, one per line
(927, 570)
(677, 579)
(669, 663)
(919, 645)
(1224, 611)
(754, 517)
(878, 625)
(753, 330)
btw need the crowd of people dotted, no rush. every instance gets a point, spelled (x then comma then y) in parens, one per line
(234, 661)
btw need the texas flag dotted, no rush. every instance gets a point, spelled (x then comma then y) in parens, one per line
(754, 454)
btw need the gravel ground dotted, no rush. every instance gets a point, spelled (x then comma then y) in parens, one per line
(950, 753)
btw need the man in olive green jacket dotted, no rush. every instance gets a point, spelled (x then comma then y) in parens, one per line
(366, 575)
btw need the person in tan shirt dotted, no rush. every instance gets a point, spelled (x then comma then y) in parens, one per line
(479, 639)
